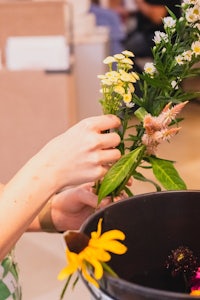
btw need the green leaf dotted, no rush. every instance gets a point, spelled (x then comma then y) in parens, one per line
(166, 174)
(118, 172)
(141, 177)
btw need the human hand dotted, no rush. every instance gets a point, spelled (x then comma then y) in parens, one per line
(71, 207)
(81, 154)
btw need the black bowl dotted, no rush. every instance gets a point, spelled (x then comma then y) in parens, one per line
(154, 224)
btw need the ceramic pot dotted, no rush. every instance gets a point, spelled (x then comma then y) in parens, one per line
(154, 224)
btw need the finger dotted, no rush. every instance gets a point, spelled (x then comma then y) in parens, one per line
(106, 122)
(110, 140)
(110, 156)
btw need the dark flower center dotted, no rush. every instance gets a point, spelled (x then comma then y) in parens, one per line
(76, 241)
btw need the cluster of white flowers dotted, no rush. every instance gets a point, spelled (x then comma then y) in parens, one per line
(191, 13)
(159, 36)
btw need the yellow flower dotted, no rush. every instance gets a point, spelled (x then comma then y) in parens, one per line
(119, 56)
(109, 60)
(195, 293)
(128, 53)
(127, 98)
(119, 89)
(127, 77)
(83, 251)
(127, 61)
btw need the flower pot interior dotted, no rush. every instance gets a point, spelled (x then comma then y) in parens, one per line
(154, 225)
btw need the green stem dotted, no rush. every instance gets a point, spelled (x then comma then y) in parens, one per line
(65, 287)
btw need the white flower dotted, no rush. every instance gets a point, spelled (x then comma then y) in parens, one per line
(197, 25)
(159, 36)
(187, 55)
(192, 15)
(130, 104)
(179, 59)
(169, 22)
(196, 48)
(174, 84)
(149, 68)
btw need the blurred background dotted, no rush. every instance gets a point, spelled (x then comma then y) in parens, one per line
(51, 52)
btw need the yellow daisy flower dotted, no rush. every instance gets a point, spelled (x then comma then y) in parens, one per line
(83, 252)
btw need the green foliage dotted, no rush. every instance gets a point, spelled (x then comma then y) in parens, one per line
(166, 174)
(161, 98)
(119, 173)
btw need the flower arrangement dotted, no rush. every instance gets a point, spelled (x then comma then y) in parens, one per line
(156, 108)
(175, 54)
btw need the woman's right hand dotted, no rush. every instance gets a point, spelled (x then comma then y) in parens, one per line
(82, 154)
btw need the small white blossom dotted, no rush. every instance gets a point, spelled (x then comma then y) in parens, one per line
(187, 55)
(196, 48)
(130, 104)
(149, 68)
(179, 60)
(169, 22)
(191, 15)
(174, 84)
(160, 36)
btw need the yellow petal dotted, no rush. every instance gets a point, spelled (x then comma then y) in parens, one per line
(96, 234)
(113, 235)
(98, 269)
(72, 267)
(64, 273)
(108, 245)
(88, 277)
(102, 255)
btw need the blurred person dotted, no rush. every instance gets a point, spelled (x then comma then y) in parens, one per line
(149, 16)
(110, 18)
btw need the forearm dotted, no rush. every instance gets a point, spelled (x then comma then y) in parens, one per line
(154, 12)
(44, 220)
(21, 200)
